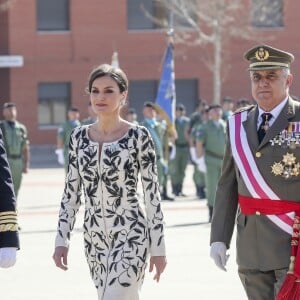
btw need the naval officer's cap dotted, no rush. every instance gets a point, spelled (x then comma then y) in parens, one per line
(264, 57)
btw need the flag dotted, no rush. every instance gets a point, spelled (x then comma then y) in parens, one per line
(115, 60)
(166, 96)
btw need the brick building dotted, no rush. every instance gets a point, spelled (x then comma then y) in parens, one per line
(61, 40)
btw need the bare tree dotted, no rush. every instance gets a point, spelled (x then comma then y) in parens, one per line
(5, 4)
(212, 23)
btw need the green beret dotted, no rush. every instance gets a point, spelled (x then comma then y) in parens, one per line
(264, 57)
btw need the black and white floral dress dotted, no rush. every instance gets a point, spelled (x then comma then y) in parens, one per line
(119, 231)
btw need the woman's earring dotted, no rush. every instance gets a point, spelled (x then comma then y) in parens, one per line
(123, 101)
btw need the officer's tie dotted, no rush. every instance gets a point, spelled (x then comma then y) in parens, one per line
(264, 126)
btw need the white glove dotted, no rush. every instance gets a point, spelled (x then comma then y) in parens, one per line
(8, 257)
(218, 254)
(193, 154)
(60, 156)
(173, 153)
(201, 164)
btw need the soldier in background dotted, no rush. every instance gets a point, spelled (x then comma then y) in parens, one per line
(243, 102)
(63, 136)
(157, 130)
(16, 143)
(211, 138)
(228, 107)
(196, 119)
(179, 163)
(92, 118)
(131, 116)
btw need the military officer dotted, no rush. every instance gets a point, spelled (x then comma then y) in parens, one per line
(179, 163)
(63, 136)
(261, 167)
(16, 143)
(210, 146)
(9, 237)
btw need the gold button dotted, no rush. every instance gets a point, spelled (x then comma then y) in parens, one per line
(258, 213)
(258, 154)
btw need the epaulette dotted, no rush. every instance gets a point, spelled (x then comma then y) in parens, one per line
(245, 108)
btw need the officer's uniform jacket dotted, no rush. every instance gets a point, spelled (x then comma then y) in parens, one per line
(8, 217)
(260, 243)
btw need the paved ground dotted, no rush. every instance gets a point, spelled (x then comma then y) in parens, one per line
(190, 273)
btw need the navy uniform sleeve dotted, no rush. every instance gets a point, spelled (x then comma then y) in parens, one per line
(8, 216)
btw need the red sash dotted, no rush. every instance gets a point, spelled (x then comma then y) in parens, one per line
(251, 206)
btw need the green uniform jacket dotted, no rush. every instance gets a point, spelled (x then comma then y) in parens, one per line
(64, 132)
(213, 138)
(15, 140)
(260, 243)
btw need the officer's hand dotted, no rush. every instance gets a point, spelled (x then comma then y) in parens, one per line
(218, 254)
(8, 257)
(60, 257)
(201, 164)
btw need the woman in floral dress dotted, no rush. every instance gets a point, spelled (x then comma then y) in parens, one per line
(105, 160)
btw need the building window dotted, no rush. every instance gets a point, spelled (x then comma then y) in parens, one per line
(267, 13)
(54, 101)
(136, 17)
(53, 15)
(151, 14)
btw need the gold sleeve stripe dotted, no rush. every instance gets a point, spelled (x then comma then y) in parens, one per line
(8, 227)
(8, 218)
(5, 213)
(12, 221)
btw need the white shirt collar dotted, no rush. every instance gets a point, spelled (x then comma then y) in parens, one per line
(275, 112)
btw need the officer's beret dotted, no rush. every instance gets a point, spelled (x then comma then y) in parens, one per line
(266, 57)
(9, 104)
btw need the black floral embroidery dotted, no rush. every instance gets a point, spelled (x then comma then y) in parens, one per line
(118, 233)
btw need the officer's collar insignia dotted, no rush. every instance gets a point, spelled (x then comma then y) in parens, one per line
(290, 110)
(262, 54)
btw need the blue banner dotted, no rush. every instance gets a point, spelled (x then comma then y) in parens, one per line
(166, 95)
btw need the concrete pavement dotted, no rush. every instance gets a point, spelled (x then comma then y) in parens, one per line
(190, 273)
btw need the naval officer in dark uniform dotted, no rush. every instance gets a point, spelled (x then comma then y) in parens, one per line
(261, 167)
(9, 238)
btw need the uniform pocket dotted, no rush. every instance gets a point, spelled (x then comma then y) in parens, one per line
(241, 220)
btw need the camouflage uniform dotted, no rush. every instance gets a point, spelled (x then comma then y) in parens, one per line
(64, 133)
(179, 163)
(15, 140)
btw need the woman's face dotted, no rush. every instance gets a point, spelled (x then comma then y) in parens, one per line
(105, 96)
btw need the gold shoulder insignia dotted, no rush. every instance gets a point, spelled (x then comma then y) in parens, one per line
(245, 108)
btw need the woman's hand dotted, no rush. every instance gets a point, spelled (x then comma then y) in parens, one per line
(60, 257)
(160, 263)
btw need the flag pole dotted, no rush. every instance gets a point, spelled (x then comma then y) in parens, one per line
(115, 60)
